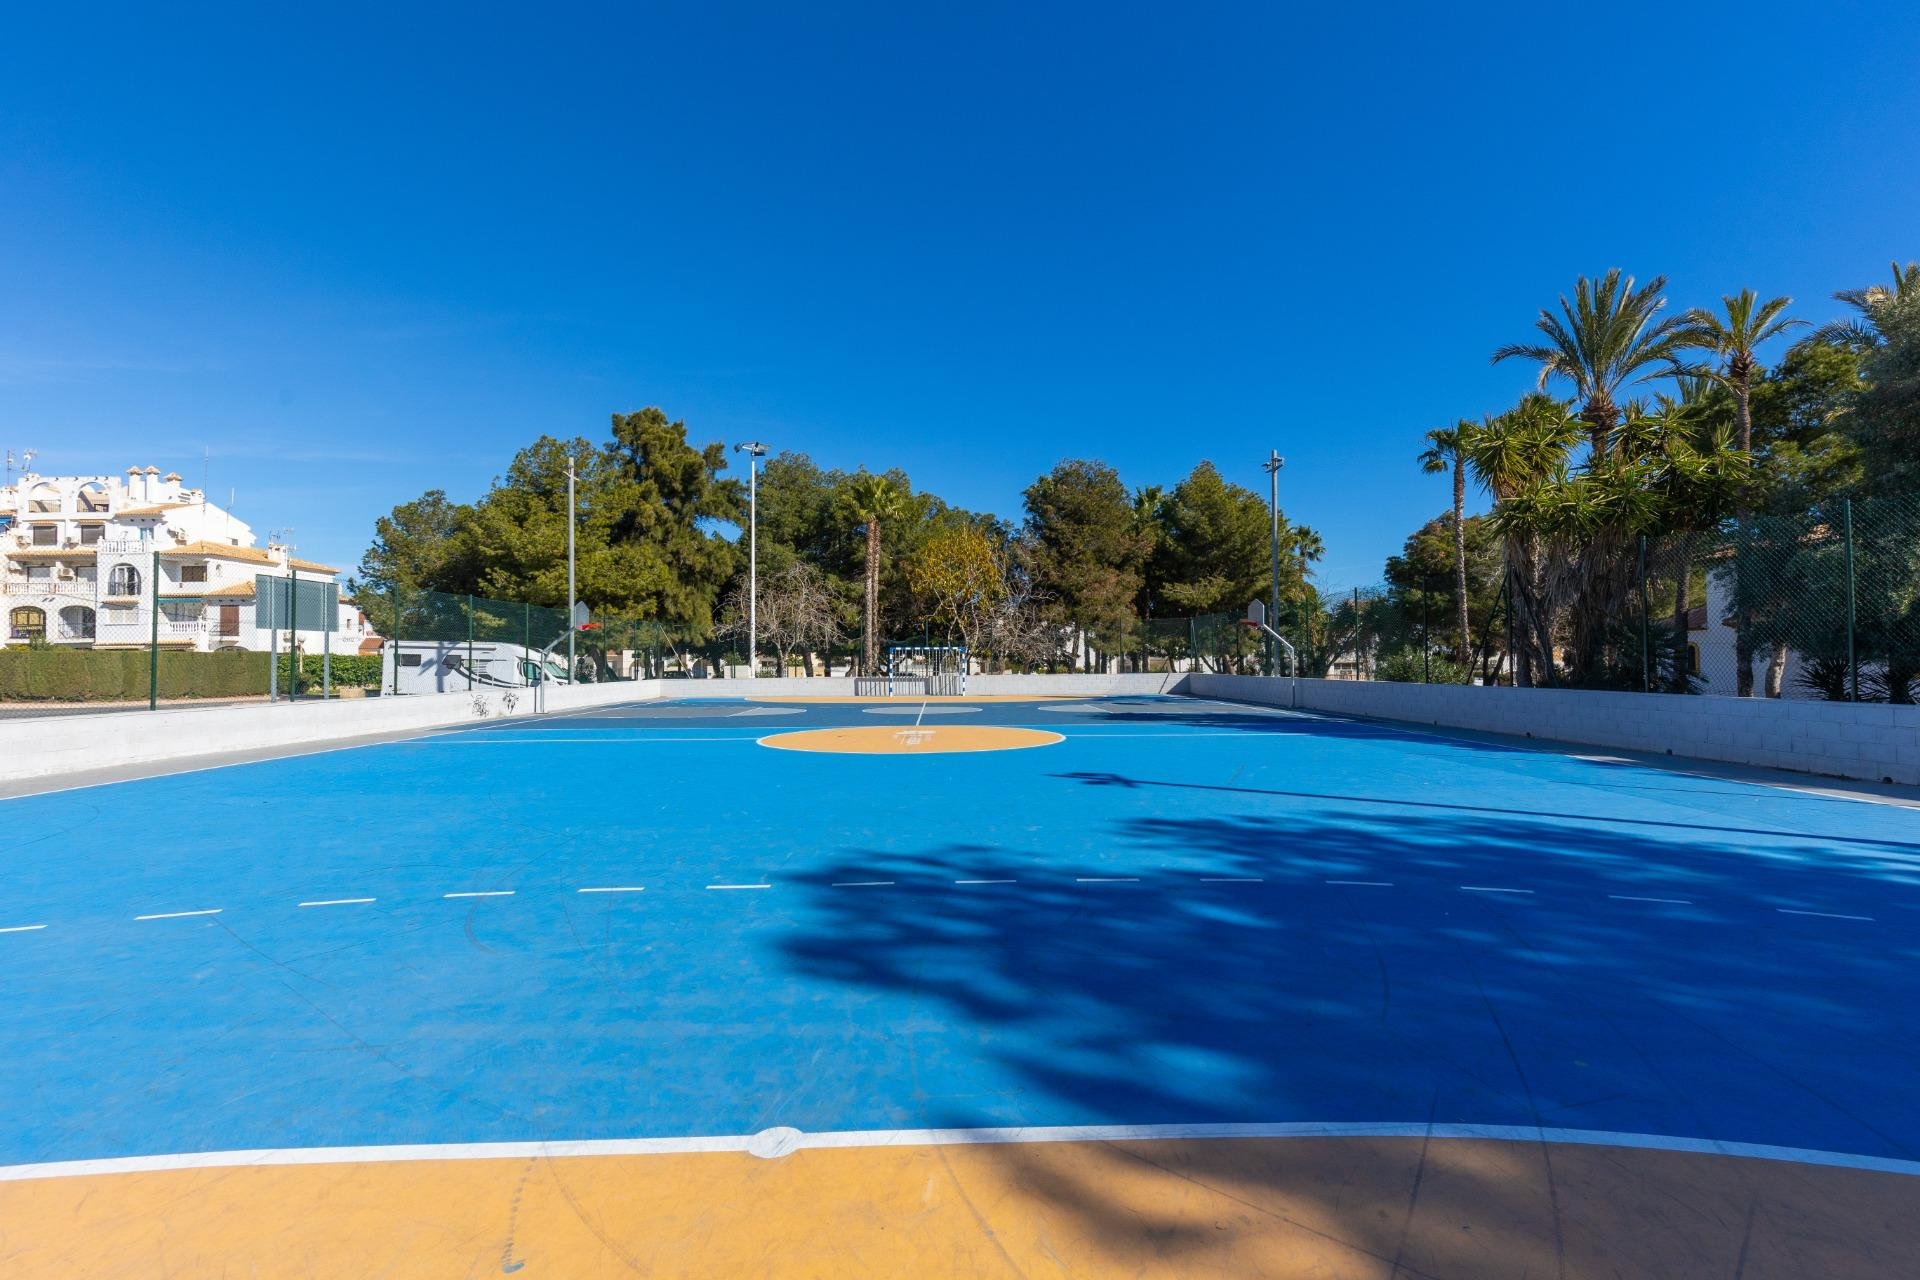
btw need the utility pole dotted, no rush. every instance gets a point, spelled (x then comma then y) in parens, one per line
(754, 451)
(1272, 467)
(570, 586)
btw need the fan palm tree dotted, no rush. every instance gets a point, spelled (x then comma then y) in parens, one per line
(1748, 323)
(873, 500)
(1863, 332)
(1609, 335)
(1447, 451)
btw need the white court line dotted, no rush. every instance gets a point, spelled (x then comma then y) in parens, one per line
(860, 884)
(739, 886)
(1628, 897)
(1231, 880)
(335, 902)
(615, 888)
(22, 928)
(176, 915)
(1487, 888)
(1106, 879)
(1371, 884)
(986, 882)
(1825, 915)
(283, 1156)
(483, 893)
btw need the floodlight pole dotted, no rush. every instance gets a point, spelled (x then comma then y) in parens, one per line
(1272, 467)
(754, 451)
(570, 587)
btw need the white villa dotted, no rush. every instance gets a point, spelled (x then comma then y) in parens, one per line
(84, 559)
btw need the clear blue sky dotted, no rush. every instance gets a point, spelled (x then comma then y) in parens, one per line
(357, 253)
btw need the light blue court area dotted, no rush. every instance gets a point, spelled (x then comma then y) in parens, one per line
(641, 923)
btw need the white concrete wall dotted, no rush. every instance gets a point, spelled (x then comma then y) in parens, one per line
(51, 745)
(1875, 742)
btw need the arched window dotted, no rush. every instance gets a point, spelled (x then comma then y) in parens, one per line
(43, 497)
(123, 581)
(92, 496)
(76, 622)
(27, 623)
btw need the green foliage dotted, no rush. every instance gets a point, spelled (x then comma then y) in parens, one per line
(1410, 666)
(1086, 548)
(60, 674)
(646, 542)
(350, 671)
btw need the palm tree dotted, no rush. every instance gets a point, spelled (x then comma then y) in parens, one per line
(1512, 455)
(1863, 333)
(872, 500)
(1609, 335)
(1748, 323)
(1447, 450)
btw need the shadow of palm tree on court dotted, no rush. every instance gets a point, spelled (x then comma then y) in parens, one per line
(1171, 1001)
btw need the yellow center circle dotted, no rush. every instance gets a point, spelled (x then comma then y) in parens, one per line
(915, 740)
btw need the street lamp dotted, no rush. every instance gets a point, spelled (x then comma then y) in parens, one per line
(1272, 467)
(572, 626)
(754, 451)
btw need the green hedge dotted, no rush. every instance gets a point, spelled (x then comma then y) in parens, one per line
(120, 675)
(350, 671)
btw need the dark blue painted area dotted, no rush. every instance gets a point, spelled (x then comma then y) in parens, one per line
(683, 1010)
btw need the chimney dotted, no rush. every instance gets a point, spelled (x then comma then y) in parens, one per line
(153, 484)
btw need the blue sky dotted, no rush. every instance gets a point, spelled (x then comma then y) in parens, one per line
(347, 254)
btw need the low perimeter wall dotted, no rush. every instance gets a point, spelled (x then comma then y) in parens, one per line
(1875, 742)
(46, 746)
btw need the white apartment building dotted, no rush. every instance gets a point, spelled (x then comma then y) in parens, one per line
(85, 559)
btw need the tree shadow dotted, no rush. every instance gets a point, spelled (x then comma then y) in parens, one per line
(1289, 1000)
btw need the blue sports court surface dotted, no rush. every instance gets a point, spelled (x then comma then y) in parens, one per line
(646, 923)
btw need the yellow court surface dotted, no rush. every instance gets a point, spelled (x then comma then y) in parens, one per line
(886, 739)
(1364, 1209)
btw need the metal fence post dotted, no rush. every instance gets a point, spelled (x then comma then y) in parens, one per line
(1853, 659)
(526, 640)
(326, 648)
(153, 642)
(469, 643)
(396, 639)
(293, 634)
(1646, 671)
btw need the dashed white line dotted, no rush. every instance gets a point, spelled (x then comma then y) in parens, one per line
(986, 882)
(1487, 888)
(1369, 884)
(1825, 915)
(482, 893)
(176, 915)
(335, 902)
(1106, 879)
(1628, 897)
(614, 888)
(22, 928)
(860, 884)
(739, 886)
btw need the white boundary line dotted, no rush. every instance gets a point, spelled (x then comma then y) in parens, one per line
(791, 1140)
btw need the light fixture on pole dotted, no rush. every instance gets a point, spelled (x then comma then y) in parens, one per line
(1272, 467)
(754, 451)
(572, 599)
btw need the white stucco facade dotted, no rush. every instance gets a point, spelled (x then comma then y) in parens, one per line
(85, 560)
